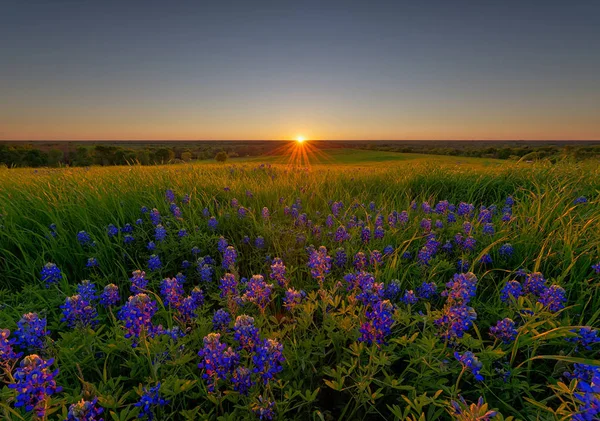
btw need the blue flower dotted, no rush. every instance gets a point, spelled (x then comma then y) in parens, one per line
(31, 332)
(92, 262)
(85, 411)
(154, 263)
(469, 361)
(87, 290)
(504, 330)
(110, 295)
(138, 281)
(160, 233)
(268, 359)
(84, 238)
(512, 290)
(221, 320)
(586, 337)
(51, 274)
(150, 398)
(553, 298)
(427, 290)
(506, 250)
(217, 360)
(229, 258)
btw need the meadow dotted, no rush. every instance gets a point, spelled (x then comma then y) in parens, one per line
(369, 285)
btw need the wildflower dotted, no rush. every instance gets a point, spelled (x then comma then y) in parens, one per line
(245, 332)
(320, 264)
(172, 292)
(150, 398)
(34, 384)
(128, 239)
(360, 261)
(259, 243)
(160, 233)
(186, 308)
(388, 250)
(111, 230)
(229, 258)
(222, 244)
(580, 200)
(278, 272)
(465, 209)
(87, 290)
(463, 265)
(265, 213)
(455, 321)
(461, 288)
(51, 274)
(221, 320)
(242, 380)
(504, 330)
(137, 314)
(379, 323)
(511, 289)
(428, 251)
(84, 238)
(376, 258)
(155, 216)
(488, 229)
(469, 361)
(596, 267)
(451, 218)
(205, 270)
(212, 223)
(341, 235)
(263, 409)
(461, 411)
(217, 361)
(228, 285)
(258, 292)
(553, 298)
(197, 296)
(154, 263)
(151, 246)
(78, 313)
(427, 290)
(486, 259)
(407, 255)
(292, 299)
(506, 250)
(138, 281)
(392, 290)
(6, 347)
(409, 297)
(110, 295)
(586, 337)
(365, 235)
(534, 283)
(85, 411)
(92, 262)
(468, 243)
(31, 332)
(426, 225)
(268, 359)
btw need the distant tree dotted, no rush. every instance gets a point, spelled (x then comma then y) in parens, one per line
(163, 155)
(35, 158)
(55, 157)
(82, 157)
(186, 156)
(143, 156)
(221, 156)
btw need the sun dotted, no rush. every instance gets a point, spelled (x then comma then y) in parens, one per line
(300, 139)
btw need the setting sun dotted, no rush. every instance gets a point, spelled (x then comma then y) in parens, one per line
(300, 139)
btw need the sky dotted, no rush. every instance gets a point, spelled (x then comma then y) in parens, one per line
(362, 70)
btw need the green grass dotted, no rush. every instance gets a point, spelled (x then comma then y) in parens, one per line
(328, 374)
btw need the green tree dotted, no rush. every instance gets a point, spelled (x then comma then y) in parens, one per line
(221, 156)
(186, 156)
(55, 157)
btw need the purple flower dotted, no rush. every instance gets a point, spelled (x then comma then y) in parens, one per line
(461, 288)
(228, 285)
(376, 258)
(580, 200)
(212, 223)
(92, 262)
(427, 290)
(31, 332)
(34, 384)
(596, 268)
(78, 313)
(138, 281)
(110, 295)
(553, 298)
(268, 359)
(154, 263)
(258, 292)
(85, 411)
(137, 314)
(217, 360)
(221, 320)
(172, 292)
(392, 290)
(84, 238)
(455, 320)
(360, 261)
(586, 337)
(263, 409)
(409, 297)
(160, 233)
(6, 347)
(242, 380)
(469, 361)
(292, 298)
(379, 323)
(534, 283)
(150, 398)
(486, 259)
(245, 332)
(51, 274)
(504, 330)
(512, 290)
(111, 230)
(87, 290)
(259, 243)
(265, 213)
(320, 264)
(341, 235)
(278, 272)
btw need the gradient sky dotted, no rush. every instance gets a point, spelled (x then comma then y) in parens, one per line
(82, 69)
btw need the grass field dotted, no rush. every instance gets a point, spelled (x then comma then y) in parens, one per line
(378, 325)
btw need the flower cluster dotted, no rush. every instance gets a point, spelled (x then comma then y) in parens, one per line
(78, 312)
(51, 274)
(320, 264)
(85, 411)
(379, 323)
(150, 398)
(504, 330)
(258, 292)
(278, 272)
(110, 295)
(31, 332)
(137, 315)
(470, 362)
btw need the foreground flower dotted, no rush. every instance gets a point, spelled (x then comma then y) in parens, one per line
(6, 347)
(469, 361)
(245, 332)
(263, 409)
(504, 330)
(110, 295)
(50, 274)
(31, 331)
(268, 359)
(78, 312)
(85, 411)
(586, 337)
(278, 272)
(320, 264)
(461, 411)
(379, 323)
(218, 361)
(258, 292)
(34, 384)
(553, 298)
(150, 398)
(137, 314)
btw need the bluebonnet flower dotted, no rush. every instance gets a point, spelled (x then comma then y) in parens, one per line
(596, 267)
(34, 384)
(465, 209)
(186, 307)
(242, 212)
(6, 347)
(341, 235)
(379, 323)
(506, 217)
(155, 216)
(31, 332)
(185, 199)
(197, 296)
(360, 261)
(553, 298)
(217, 360)
(110, 295)
(111, 230)
(205, 270)
(195, 250)
(512, 290)
(228, 285)
(172, 292)
(144, 209)
(379, 233)
(468, 243)
(84, 238)
(467, 228)
(392, 290)
(50, 274)
(185, 264)
(234, 203)
(245, 332)
(427, 290)
(78, 312)
(426, 225)
(486, 259)
(376, 258)
(160, 233)
(85, 411)
(268, 359)
(222, 244)
(205, 212)
(169, 196)
(439, 224)
(259, 243)
(336, 207)
(428, 251)
(263, 409)
(488, 229)
(407, 255)
(92, 262)
(388, 250)
(403, 218)
(340, 258)
(451, 218)
(506, 250)
(463, 265)
(154, 263)
(329, 222)
(461, 288)
(504, 330)
(426, 207)
(182, 233)
(229, 258)
(365, 235)
(455, 320)
(221, 320)
(128, 239)
(127, 228)
(213, 223)
(138, 281)
(469, 361)
(87, 290)
(265, 213)
(149, 400)
(461, 411)
(320, 264)
(586, 337)
(442, 207)
(580, 200)
(258, 292)
(278, 272)
(137, 314)
(409, 297)
(292, 298)
(534, 283)
(242, 380)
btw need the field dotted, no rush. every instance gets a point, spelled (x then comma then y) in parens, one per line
(366, 285)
